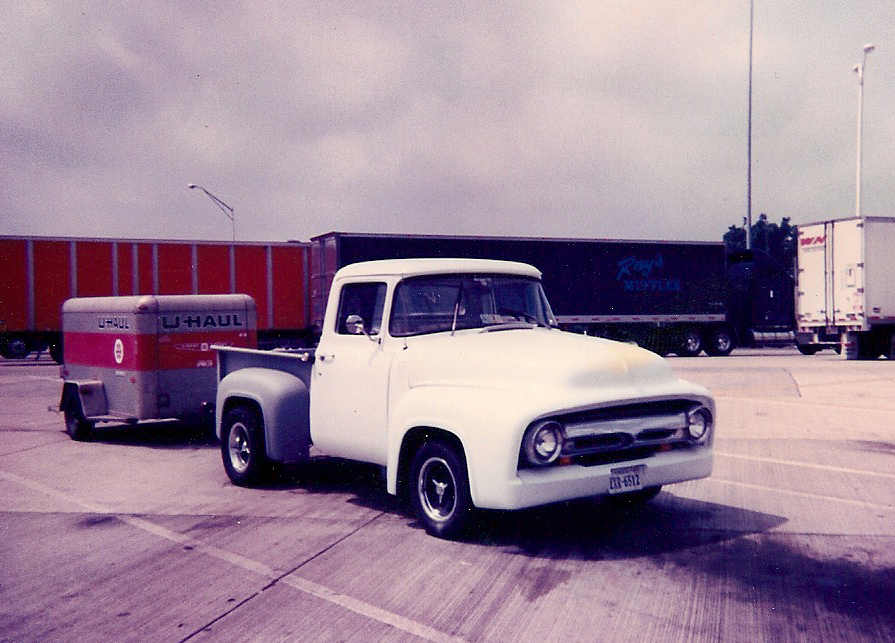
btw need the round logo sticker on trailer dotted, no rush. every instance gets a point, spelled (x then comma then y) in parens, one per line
(119, 351)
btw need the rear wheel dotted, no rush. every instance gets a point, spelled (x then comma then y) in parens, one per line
(719, 342)
(439, 488)
(242, 447)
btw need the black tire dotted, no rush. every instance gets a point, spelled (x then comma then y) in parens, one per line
(808, 349)
(439, 490)
(691, 346)
(242, 447)
(15, 348)
(56, 352)
(635, 498)
(719, 342)
(77, 426)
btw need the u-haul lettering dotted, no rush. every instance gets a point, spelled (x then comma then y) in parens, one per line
(218, 320)
(113, 323)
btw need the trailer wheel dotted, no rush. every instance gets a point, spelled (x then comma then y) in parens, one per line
(242, 447)
(808, 349)
(15, 348)
(719, 342)
(692, 344)
(77, 426)
(439, 490)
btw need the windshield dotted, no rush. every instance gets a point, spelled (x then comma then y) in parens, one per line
(439, 303)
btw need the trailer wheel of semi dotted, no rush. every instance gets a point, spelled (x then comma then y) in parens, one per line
(15, 348)
(692, 343)
(719, 341)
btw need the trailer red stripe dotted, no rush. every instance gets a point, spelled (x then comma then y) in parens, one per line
(151, 352)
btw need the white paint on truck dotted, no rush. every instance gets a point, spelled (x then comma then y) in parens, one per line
(452, 375)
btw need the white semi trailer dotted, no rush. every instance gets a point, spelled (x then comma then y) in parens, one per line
(845, 292)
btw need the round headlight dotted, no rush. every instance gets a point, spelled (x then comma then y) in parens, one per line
(543, 442)
(699, 422)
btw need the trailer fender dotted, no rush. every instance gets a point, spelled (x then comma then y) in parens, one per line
(284, 403)
(89, 397)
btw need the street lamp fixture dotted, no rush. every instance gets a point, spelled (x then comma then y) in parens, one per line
(859, 70)
(226, 209)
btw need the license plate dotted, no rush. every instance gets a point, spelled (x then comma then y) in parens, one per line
(626, 479)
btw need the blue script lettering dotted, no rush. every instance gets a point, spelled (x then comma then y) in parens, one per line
(631, 266)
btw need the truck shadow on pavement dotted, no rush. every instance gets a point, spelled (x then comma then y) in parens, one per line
(591, 529)
(156, 435)
(796, 582)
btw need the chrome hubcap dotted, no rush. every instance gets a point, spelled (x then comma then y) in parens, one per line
(437, 489)
(239, 448)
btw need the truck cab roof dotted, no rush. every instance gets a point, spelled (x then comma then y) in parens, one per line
(411, 267)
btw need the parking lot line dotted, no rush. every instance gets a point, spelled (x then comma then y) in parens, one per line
(807, 465)
(321, 592)
(801, 494)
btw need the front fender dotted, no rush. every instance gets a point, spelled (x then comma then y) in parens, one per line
(489, 424)
(284, 401)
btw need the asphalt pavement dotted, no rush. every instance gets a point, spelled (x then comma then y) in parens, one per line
(139, 536)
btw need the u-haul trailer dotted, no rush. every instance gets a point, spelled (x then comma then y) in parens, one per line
(129, 359)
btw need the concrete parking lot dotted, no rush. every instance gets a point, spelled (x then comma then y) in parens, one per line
(139, 536)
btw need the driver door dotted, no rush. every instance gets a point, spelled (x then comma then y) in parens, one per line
(349, 399)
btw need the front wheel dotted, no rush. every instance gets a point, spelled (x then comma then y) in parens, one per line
(77, 426)
(691, 345)
(242, 447)
(439, 488)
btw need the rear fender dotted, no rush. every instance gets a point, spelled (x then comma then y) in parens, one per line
(284, 401)
(89, 397)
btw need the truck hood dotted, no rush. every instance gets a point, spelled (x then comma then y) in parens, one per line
(538, 358)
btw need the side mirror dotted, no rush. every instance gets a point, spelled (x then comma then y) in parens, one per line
(354, 325)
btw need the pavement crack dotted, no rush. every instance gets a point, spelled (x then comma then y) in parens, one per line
(320, 553)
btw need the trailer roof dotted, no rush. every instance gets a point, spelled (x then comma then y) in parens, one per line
(389, 235)
(158, 303)
(213, 242)
(411, 267)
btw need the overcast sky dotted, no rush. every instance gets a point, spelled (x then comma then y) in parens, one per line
(602, 119)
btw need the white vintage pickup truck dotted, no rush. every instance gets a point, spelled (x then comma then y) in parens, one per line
(452, 376)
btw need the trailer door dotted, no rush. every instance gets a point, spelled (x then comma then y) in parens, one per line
(846, 280)
(812, 298)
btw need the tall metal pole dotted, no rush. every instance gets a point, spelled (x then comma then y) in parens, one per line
(859, 69)
(749, 135)
(229, 212)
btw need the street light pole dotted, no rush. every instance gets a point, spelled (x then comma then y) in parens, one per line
(859, 70)
(226, 209)
(749, 135)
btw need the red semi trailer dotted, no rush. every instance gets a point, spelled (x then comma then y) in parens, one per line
(37, 274)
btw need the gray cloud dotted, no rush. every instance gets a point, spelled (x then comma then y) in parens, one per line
(555, 119)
